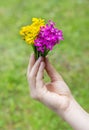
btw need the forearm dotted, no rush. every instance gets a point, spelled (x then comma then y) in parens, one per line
(76, 116)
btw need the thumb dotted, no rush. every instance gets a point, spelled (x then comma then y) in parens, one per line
(53, 74)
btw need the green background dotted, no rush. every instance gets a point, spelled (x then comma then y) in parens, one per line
(71, 59)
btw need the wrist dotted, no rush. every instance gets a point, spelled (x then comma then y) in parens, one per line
(76, 116)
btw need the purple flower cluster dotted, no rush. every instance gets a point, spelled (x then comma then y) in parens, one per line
(48, 37)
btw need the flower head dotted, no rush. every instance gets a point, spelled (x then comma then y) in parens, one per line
(48, 37)
(30, 32)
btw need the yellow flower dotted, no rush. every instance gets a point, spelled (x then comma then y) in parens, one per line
(30, 32)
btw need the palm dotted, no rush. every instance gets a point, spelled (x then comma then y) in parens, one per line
(58, 87)
(57, 94)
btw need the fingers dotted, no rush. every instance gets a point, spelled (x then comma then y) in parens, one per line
(35, 76)
(35, 68)
(39, 78)
(31, 62)
(53, 74)
(32, 73)
(41, 71)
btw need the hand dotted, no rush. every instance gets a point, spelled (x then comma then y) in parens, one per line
(56, 94)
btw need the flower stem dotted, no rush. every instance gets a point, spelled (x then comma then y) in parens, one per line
(38, 53)
(35, 51)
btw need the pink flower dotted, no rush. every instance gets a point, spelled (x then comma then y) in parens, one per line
(48, 37)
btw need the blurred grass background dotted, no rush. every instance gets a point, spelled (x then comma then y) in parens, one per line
(71, 58)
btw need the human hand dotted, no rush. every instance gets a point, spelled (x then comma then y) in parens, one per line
(56, 94)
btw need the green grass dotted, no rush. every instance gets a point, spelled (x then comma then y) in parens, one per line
(71, 58)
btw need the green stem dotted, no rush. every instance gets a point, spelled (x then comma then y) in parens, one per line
(37, 53)
(46, 52)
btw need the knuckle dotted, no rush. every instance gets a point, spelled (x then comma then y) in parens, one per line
(39, 96)
(33, 96)
(29, 78)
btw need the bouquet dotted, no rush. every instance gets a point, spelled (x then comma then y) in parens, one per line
(41, 36)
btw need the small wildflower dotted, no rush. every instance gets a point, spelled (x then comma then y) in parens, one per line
(48, 37)
(30, 32)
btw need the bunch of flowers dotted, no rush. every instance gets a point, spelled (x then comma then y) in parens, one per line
(43, 37)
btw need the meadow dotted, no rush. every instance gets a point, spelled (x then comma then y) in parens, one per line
(71, 59)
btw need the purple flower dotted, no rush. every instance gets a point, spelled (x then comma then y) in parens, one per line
(48, 37)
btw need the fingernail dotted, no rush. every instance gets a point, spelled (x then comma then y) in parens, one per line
(40, 58)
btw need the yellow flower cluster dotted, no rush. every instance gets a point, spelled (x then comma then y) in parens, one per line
(30, 32)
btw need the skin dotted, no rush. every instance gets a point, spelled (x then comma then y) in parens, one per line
(56, 95)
